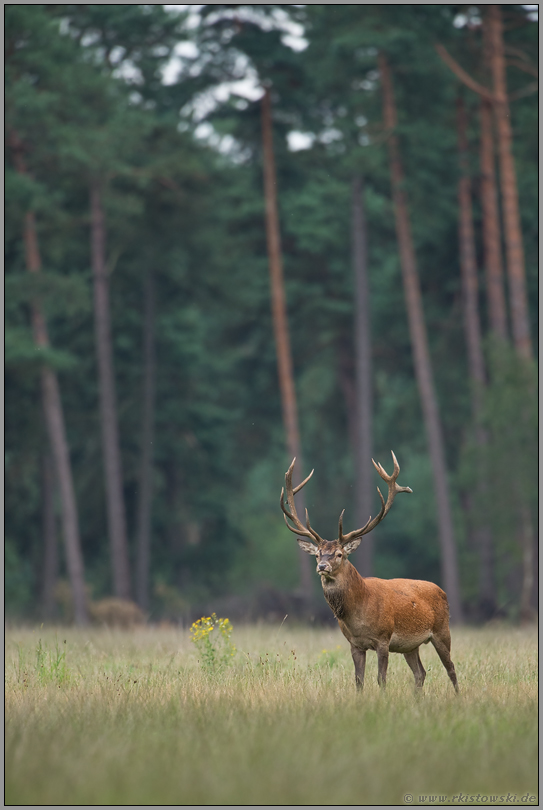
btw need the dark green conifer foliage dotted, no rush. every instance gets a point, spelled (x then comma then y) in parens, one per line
(90, 100)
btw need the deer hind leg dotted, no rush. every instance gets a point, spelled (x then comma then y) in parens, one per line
(359, 659)
(382, 666)
(415, 664)
(442, 644)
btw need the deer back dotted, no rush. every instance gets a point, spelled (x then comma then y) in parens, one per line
(409, 610)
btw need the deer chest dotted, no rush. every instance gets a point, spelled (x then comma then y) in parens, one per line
(336, 599)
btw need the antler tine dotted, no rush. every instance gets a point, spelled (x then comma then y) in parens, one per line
(285, 511)
(340, 526)
(298, 488)
(368, 526)
(317, 537)
(291, 512)
(384, 475)
(344, 538)
(286, 514)
(393, 489)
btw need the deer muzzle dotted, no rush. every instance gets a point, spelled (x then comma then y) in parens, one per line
(324, 568)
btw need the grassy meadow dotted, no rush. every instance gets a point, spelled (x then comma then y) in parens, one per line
(104, 716)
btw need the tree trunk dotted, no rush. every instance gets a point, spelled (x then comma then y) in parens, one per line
(49, 530)
(526, 532)
(518, 298)
(74, 558)
(54, 417)
(491, 228)
(280, 324)
(147, 438)
(520, 319)
(364, 390)
(421, 354)
(468, 267)
(482, 536)
(108, 406)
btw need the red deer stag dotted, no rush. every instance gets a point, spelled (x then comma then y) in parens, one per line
(385, 615)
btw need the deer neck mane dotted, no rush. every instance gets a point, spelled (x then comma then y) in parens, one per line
(343, 590)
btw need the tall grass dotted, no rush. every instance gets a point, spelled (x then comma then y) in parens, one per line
(109, 717)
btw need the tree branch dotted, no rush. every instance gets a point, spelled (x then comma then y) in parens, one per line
(461, 73)
(509, 50)
(533, 87)
(525, 66)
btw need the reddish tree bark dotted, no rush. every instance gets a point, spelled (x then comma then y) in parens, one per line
(54, 419)
(363, 449)
(147, 438)
(518, 298)
(481, 534)
(108, 406)
(421, 354)
(468, 264)
(520, 320)
(49, 531)
(279, 315)
(491, 228)
(494, 57)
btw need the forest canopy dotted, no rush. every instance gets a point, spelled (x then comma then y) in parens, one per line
(160, 162)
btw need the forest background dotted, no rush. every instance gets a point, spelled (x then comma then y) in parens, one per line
(147, 429)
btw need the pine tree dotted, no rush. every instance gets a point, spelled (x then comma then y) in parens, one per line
(147, 441)
(54, 416)
(421, 354)
(362, 433)
(108, 401)
(279, 310)
(520, 323)
(482, 535)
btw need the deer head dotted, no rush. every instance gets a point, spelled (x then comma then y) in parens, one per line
(331, 554)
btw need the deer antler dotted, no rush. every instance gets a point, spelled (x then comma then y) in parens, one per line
(393, 488)
(291, 513)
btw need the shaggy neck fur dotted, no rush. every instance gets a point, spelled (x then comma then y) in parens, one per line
(344, 590)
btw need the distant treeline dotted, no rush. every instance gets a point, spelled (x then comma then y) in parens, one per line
(147, 427)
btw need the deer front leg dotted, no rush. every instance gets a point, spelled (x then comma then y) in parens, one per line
(359, 658)
(382, 665)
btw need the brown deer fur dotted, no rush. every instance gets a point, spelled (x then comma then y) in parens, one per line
(384, 615)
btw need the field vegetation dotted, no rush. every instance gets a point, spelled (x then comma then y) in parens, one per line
(104, 716)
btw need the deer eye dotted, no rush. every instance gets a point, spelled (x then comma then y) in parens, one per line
(339, 554)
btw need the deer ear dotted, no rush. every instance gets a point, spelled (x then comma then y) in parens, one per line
(305, 545)
(348, 548)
